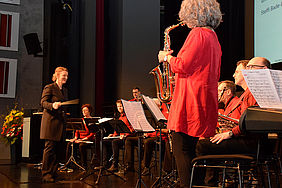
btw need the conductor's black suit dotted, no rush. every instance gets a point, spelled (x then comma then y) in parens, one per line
(52, 126)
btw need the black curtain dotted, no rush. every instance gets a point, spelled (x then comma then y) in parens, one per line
(230, 32)
(62, 44)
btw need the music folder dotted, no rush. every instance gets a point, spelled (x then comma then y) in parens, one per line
(136, 116)
(104, 125)
(75, 124)
(92, 123)
(119, 126)
(155, 110)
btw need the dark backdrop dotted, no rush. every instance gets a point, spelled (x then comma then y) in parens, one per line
(62, 34)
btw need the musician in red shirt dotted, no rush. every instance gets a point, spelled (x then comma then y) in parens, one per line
(136, 94)
(232, 142)
(193, 112)
(226, 95)
(116, 144)
(81, 136)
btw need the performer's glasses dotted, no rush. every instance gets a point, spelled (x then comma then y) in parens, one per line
(255, 66)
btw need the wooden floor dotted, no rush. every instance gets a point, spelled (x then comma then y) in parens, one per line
(27, 176)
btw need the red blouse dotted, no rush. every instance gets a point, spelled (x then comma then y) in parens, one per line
(83, 134)
(197, 70)
(123, 118)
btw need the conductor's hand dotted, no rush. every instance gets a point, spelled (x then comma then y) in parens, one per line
(219, 137)
(111, 135)
(56, 105)
(162, 55)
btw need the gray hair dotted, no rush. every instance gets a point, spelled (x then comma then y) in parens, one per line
(200, 13)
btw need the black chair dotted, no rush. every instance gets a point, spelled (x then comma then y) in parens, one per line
(236, 162)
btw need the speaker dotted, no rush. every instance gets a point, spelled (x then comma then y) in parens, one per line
(32, 43)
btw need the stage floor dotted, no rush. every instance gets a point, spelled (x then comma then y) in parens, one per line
(27, 176)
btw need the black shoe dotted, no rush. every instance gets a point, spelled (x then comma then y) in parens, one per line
(146, 171)
(113, 168)
(48, 179)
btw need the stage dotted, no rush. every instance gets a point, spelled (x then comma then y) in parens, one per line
(26, 175)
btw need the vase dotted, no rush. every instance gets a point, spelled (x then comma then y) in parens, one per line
(16, 151)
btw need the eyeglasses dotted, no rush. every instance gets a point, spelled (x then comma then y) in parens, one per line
(255, 66)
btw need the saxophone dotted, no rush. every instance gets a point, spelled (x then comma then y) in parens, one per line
(164, 77)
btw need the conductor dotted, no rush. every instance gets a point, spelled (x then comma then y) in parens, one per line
(52, 123)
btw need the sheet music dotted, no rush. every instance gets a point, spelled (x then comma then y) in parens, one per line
(265, 85)
(154, 108)
(104, 120)
(277, 79)
(136, 116)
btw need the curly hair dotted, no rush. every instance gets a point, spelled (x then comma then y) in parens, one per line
(57, 71)
(200, 13)
(90, 108)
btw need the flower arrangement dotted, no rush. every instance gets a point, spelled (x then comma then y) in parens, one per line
(13, 126)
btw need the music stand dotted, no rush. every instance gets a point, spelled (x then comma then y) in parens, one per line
(119, 126)
(103, 127)
(161, 120)
(74, 124)
(136, 116)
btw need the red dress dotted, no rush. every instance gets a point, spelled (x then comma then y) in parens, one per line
(197, 70)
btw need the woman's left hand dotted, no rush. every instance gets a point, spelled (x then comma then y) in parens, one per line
(162, 55)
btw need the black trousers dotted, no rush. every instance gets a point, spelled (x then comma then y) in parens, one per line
(50, 157)
(111, 147)
(149, 145)
(236, 145)
(184, 147)
(130, 143)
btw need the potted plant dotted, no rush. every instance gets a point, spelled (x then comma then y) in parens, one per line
(12, 131)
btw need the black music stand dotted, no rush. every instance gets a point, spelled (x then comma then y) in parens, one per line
(104, 127)
(161, 120)
(74, 124)
(119, 126)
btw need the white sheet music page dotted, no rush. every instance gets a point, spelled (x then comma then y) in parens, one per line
(136, 116)
(104, 120)
(154, 108)
(265, 85)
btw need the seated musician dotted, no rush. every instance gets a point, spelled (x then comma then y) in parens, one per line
(149, 142)
(233, 142)
(136, 93)
(226, 96)
(116, 144)
(81, 136)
